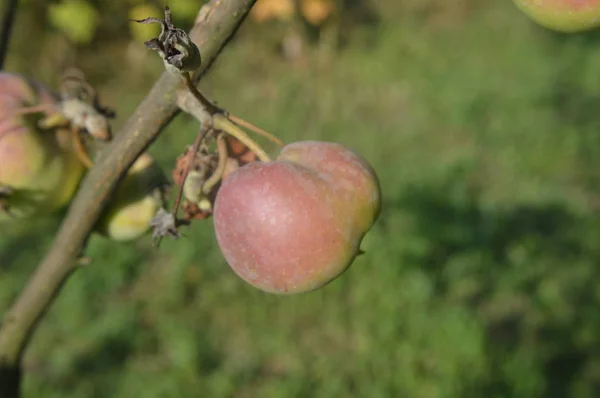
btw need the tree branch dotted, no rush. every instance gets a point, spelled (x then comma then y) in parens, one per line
(216, 23)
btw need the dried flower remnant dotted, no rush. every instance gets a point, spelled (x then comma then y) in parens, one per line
(178, 51)
(165, 224)
(80, 104)
(80, 107)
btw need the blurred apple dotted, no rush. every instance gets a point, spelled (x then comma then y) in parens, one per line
(314, 12)
(567, 16)
(38, 166)
(295, 224)
(135, 202)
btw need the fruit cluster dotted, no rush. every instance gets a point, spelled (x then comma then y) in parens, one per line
(42, 163)
(288, 225)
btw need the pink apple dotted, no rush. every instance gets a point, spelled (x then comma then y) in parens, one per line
(294, 224)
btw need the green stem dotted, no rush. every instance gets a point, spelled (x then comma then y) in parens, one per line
(218, 174)
(221, 122)
(191, 154)
(211, 108)
(243, 123)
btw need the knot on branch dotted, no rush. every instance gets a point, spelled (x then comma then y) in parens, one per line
(178, 51)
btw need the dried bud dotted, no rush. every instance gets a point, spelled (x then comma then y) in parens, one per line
(164, 224)
(178, 51)
(85, 117)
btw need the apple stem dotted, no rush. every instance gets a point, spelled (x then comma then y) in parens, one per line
(221, 122)
(208, 106)
(79, 148)
(220, 170)
(243, 123)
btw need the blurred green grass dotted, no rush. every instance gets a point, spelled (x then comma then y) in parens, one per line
(479, 279)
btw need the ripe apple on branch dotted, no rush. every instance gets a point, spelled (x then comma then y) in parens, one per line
(285, 226)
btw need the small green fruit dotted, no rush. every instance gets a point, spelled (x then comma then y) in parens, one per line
(135, 203)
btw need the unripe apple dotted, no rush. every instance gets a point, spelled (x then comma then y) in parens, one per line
(563, 15)
(294, 224)
(39, 166)
(135, 202)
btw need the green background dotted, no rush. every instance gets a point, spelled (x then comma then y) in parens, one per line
(480, 278)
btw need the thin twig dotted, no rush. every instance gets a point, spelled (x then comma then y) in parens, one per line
(26, 110)
(246, 124)
(212, 109)
(221, 122)
(191, 154)
(221, 165)
(208, 106)
(79, 148)
(220, 119)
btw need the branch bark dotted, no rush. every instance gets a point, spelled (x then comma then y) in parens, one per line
(215, 25)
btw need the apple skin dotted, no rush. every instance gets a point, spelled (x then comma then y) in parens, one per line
(39, 165)
(568, 16)
(295, 224)
(135, 202)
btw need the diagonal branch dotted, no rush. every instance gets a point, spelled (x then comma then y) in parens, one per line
(216, 23)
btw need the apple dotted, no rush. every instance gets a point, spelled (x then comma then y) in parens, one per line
(37, 166)
(294, 224)
(567, 16)
(135, 202)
